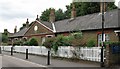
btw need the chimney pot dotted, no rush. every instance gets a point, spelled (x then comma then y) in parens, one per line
(15, 30)
(27, 23)
(37, 18)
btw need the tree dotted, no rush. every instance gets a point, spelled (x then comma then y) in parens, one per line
(82, 8)
(111, 6)
(59, 14)
(45, 15)
(4, 38)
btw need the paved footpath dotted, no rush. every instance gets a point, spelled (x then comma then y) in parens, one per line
(0, 61)
(9, 61)
(54, 62)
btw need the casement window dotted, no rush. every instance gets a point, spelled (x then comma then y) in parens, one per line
(106, 38)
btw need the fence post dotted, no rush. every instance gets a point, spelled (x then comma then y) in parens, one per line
(12, 51)
(48, 58)
(0, 50)
(102, 57)
(107, 61)
(26, 53)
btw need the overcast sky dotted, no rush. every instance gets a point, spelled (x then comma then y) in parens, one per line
(15, 12)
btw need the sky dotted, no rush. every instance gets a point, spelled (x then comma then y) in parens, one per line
(15, 12)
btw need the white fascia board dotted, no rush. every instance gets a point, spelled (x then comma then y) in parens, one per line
(54, 29)
(45, 26)
(117, 31)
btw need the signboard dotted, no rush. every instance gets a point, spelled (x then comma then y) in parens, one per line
(115, 49)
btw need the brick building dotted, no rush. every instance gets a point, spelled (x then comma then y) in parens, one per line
(90, 25)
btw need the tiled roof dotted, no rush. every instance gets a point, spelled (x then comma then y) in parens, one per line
(24, 30)
(48, 24)
(88, 22)
(20, 33)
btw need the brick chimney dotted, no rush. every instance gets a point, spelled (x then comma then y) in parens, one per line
(73, 12)
(105, 7)
(27, 23)
(6, 32)
(52, 16)
(37, 18)
(15, 29)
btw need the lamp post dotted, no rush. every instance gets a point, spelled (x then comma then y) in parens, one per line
(102, 55)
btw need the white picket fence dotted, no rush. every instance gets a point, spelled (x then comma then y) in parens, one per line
(85, 53)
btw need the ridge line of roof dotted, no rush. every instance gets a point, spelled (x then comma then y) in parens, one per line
(87, 15)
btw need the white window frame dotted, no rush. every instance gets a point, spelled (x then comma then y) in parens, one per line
(16, 38)
(49, 35)
(24, 37)
(106, 38)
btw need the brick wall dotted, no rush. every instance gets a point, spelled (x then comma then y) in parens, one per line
(93, 34)
(112, 59)
(88, 35)
(41, 29)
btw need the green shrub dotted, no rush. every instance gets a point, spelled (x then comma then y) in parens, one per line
(77, 35)
(57, 41)
(49, 42)
(18, 43)
(76, 39)
(55, 48)
(62, 41)
(112, 43)
(91, 43)
(4, 38)
(26, 43)
(33, 42)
